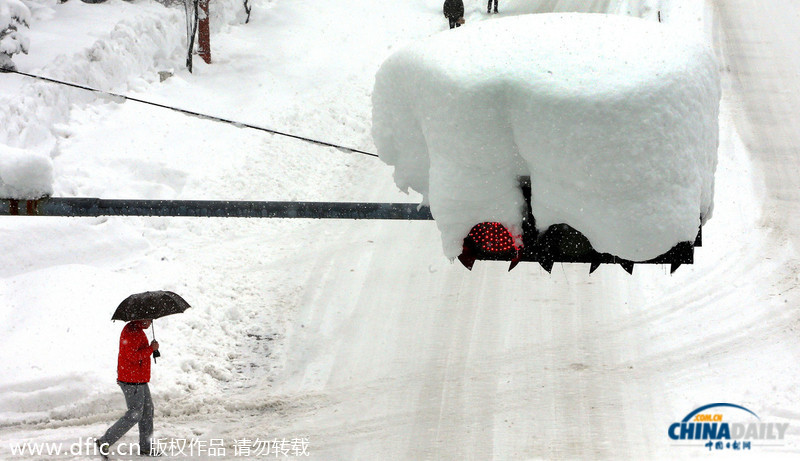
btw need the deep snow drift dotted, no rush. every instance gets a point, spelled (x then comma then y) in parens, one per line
(614, 118)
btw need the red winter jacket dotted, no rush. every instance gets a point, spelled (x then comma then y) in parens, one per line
(133, 365)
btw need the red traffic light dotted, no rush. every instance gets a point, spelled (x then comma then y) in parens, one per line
(557, 243)
(492, 238)
(489, 241)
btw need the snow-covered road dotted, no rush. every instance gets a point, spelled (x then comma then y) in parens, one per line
(455, 365)
(524, 365)
(361, 336)
(760, 46)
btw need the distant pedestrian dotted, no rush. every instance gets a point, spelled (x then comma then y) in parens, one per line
(454, 12)
(489, 7)
(133, 374)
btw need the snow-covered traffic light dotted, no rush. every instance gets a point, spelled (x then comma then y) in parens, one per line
(491, 241)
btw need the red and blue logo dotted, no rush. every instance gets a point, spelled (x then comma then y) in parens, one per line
(722, 426)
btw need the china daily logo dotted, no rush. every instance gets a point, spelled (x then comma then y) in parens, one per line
(722, 426)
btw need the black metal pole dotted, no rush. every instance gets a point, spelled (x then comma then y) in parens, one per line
(93, 207)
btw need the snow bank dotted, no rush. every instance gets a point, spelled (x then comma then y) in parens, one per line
(54, 368)
(134, 47)
(614, 118)
(127, 57)
(24, 175)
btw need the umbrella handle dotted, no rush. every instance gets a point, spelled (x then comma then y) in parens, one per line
(156, 354)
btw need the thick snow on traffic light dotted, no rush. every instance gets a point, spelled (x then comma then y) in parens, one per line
(615, 119)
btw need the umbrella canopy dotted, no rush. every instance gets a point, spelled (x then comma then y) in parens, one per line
(150, 305)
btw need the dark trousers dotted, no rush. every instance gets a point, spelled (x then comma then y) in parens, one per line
(489, 6)
(140, 411)
(454, 22)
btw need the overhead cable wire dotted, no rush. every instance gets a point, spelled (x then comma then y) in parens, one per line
(194, 114)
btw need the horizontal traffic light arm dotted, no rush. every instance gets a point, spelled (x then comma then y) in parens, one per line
(93, 207)
(557, 244)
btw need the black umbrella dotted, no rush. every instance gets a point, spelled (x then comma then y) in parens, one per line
(150, 305)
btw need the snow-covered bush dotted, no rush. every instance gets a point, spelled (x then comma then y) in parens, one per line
(613, 118)
(14, 18)
(24, 175)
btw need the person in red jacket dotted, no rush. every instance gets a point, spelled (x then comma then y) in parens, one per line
(133, 374)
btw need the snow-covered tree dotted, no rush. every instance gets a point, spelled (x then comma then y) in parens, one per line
(14, 18)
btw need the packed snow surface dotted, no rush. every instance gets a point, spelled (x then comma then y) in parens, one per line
(614, 118)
